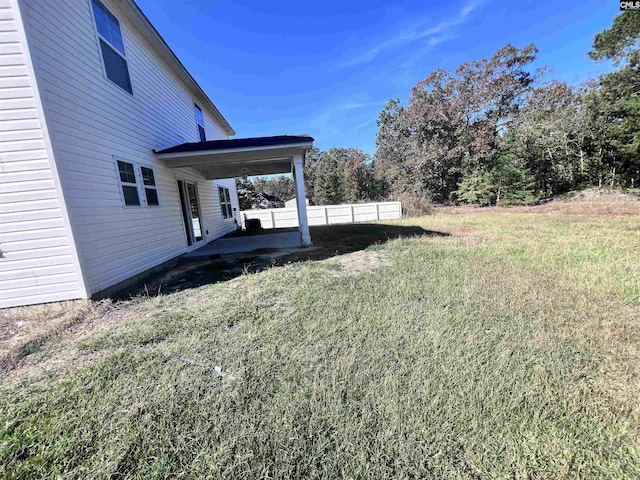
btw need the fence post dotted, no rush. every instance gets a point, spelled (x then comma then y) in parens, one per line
(377, 211)
(353, 217)
(273, 220)
(326, 216)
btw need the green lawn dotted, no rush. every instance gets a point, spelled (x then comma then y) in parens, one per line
(507, 348)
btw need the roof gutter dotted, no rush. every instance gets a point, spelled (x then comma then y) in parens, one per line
(149, 32)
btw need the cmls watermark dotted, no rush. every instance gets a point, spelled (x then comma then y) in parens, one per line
(626, 6)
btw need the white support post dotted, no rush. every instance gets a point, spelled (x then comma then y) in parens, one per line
(326, 215)
(303, 220)
(273, 220)
(353, 217)
(377, 211)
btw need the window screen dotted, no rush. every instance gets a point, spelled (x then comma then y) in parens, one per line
(225, 202)
(200, 122)
(147, 176)
(127, 174)
(130, 194)
(150, 191)
(128, 183)
(112, 46)
(108, 26)
(115, 67)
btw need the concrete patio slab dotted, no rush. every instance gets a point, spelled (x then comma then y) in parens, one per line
(223, 246)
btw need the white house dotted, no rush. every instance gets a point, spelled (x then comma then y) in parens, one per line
(264, 200)
(113, 161)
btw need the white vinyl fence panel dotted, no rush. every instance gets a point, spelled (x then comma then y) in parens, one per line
(326, 214)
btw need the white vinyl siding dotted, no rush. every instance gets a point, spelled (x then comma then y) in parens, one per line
(36, 250)
(92, 121)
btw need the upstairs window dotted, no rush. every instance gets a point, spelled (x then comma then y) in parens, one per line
(225, 202)
(128, 184)
(111, 46)
(200, 122)
(150, 190)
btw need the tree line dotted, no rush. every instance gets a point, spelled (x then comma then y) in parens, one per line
(332, 177)
(496, 132)
(493, 132)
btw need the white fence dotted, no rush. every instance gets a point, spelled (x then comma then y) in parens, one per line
(326, 214)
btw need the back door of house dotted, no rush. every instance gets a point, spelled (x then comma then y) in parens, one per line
(191, 212)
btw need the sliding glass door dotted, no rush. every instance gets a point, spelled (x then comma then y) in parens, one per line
(190, 211)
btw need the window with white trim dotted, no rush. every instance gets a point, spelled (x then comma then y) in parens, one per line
(128, 184)
(111, 46)
(225, 202)
(200, 122)
(150, 189)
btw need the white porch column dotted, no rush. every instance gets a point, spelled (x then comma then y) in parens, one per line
(303, 221)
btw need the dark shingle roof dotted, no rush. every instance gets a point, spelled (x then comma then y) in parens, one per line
(270, 198)
(239, 143)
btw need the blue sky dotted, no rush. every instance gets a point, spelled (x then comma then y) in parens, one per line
(327, 68)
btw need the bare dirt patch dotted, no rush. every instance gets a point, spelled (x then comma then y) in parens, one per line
(191, 274)
(601, 194)
(40, 339)
(365, 261)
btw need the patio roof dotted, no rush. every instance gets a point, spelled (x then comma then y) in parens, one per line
(238, 157)
(248, 156)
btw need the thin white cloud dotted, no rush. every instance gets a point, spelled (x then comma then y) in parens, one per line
(357, 105)
(436, 34)
(343, 108)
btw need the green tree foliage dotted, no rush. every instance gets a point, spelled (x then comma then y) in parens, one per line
(508, 182)
(549, 137)
(454, 125)
(344, 175)
(312, 161)
(339, 175)
(246, 193)
(621, 41)
(329, 181)
(613, 107)
(280, 186)
(393, 168)
(492, 133)
(477, 188)
(512, 182)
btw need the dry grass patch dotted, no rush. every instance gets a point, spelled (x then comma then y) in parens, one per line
(567, 315)
(505, 350)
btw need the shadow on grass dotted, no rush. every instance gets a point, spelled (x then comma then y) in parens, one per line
(328, 241)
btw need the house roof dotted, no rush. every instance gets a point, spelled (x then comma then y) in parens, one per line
(255, 142)
(270, 198)
(149, 32)
(238, 157)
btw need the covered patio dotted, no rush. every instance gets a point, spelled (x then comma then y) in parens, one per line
(233, 244)
(248, 157)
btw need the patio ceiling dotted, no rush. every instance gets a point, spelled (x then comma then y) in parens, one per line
(238, 157)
